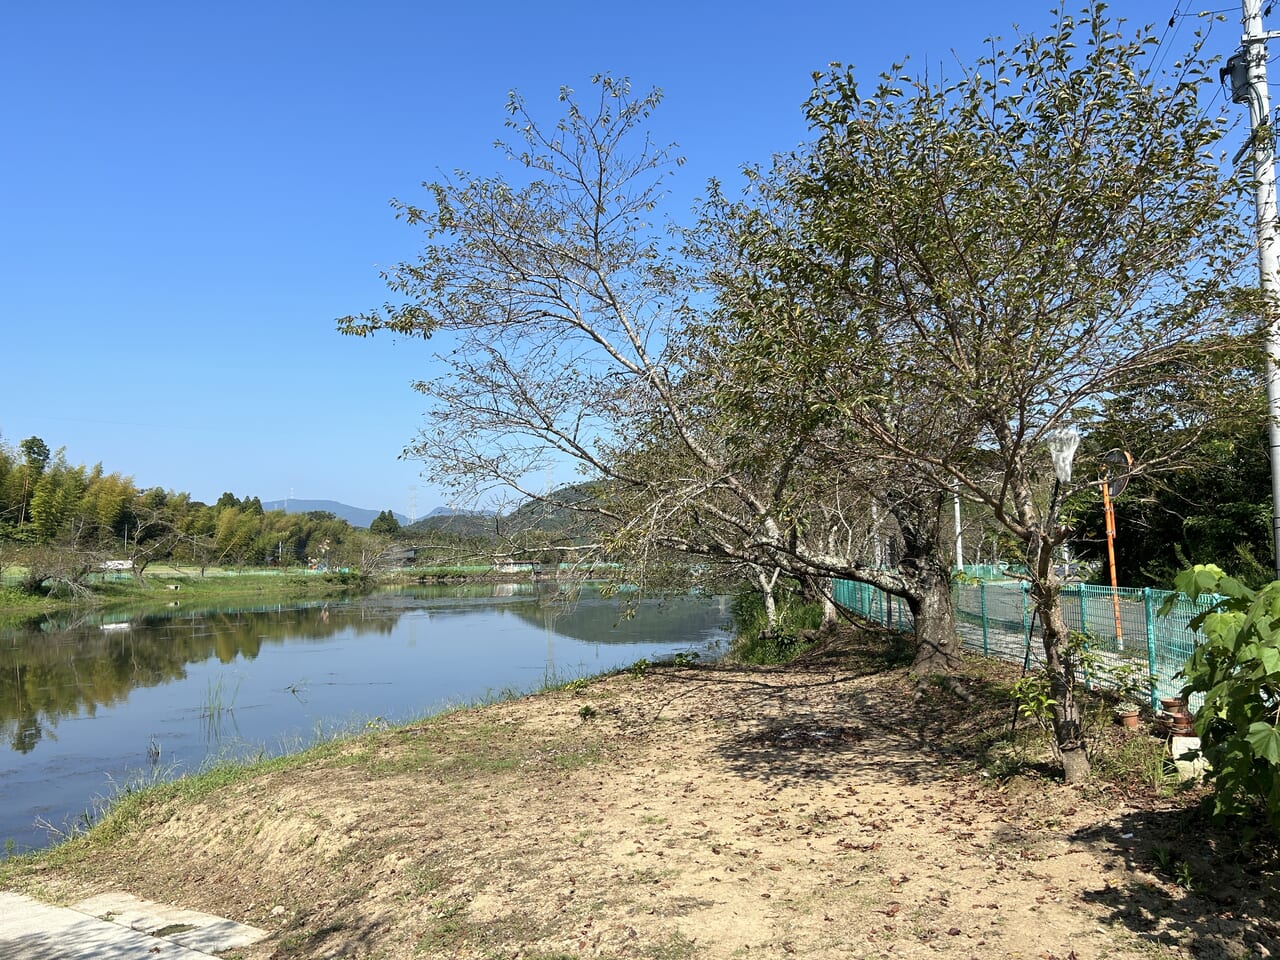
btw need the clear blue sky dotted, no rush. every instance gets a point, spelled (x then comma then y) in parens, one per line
(191, 193)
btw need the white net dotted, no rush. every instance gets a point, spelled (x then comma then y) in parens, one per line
(1062, 448)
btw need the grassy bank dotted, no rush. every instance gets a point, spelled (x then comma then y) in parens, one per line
(794, 632)
(187, 586)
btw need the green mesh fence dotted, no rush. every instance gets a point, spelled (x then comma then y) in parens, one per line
(997, 619)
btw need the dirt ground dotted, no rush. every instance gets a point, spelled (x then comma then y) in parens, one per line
(818, 810)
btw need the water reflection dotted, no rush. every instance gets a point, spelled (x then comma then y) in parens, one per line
(52, 675)
(180, 686)
(70, 665)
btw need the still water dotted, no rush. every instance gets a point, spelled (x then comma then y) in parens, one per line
(88, 706)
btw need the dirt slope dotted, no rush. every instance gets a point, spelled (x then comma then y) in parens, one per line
(702, 813)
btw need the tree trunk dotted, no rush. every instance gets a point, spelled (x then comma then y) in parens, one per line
(766, 585)
(919, 519)
(830, 615)
(937, 645)
(1068, 729)
(819, 590)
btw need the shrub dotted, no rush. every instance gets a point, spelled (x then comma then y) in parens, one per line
(1237, 669)
(755, 643)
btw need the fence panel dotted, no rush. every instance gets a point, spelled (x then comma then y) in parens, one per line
(995, 619)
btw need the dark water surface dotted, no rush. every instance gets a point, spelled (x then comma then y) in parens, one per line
(86, 707)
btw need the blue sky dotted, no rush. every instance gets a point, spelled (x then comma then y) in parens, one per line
(190, 194)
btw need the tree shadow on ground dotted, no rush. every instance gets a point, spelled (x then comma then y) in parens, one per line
(1188, 883)
(789, 726)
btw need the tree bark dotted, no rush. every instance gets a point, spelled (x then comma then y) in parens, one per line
(937, 645)
(1068, 728)
(919, 517)
(830, 615)
(766, 585)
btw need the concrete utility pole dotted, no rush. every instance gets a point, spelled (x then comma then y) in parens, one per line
(1248, 72)
(955, 500)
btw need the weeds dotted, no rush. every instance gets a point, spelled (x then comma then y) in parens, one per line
(760, 642)
(1174, 868)
(1136, 762)
(218, 709)
(1031, 694)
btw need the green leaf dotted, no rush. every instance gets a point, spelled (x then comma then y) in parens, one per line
(1265, 740)
(1204, 579)
(1270, 657)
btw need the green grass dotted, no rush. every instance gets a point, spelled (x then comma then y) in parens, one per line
(453, 571)
(217, 587)
(755, 643)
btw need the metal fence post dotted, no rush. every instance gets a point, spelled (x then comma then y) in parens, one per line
(1147, 611)
(982, 602)
(1026, 624)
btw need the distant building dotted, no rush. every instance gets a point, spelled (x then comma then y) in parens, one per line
(510, 565)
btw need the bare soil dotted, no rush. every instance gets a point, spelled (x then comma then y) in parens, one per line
(824, 809)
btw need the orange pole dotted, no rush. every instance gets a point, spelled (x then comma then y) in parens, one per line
(1109, 511)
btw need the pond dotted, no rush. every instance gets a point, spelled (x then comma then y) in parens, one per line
(88, 706)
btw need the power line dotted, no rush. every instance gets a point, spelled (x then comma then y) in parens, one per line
(1161, 49)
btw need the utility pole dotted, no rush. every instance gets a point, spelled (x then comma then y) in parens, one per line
(955, 500)
(1247, 69)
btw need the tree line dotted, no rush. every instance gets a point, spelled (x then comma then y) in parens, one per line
(60, 523)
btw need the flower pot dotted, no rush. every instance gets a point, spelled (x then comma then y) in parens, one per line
(1174, 705)
(1175, 724)
(1127, 719)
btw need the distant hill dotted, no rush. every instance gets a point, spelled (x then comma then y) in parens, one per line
(355, 516)
(455, 512)
(562, 520)
(531, 515)
(461, 523)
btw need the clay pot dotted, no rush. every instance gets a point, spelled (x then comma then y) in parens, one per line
(1128, 719)
(1175, 724)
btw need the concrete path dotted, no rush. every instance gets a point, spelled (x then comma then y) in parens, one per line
(114, 926)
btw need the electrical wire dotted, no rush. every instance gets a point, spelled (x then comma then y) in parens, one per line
(1161, 49)
(1174, 25)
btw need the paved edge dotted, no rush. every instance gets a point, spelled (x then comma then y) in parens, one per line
(114, 925)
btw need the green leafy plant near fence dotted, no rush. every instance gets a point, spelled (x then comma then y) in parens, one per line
(1237, 669)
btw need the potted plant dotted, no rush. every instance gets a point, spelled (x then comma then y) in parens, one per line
(1127, 714)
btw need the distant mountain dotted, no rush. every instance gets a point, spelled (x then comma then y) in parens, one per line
(460, 523)
(355, 516)
(531, 515)
(455, 512)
